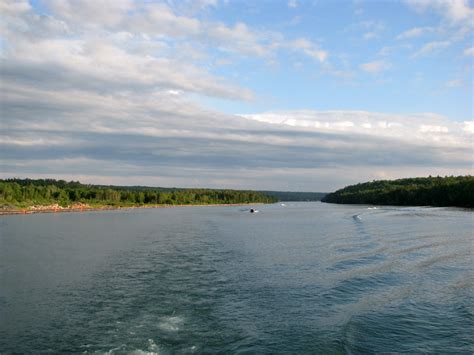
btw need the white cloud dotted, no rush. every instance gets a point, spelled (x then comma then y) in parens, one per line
(103, 12)
(193, 7)
(454, 83)
(159, 19)
(469, 52)
(468, 126)
(432, 47)
(125, 45)
(239, 38)
(433, 129)
(371, 29)
(88, 63)
(292, 4)
(372, 25)
(376, 67)
(406, 129)
(414, 32)
(132, 58)
(14, 7)
(370, 35)
(457, 22)
(308, 48)
(454, 11)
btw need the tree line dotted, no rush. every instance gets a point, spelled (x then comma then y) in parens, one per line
(429, 191)
(29, 192)
(295, 196)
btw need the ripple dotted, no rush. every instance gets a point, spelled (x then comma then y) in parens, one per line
(361, 260)
(312, 278)
(349, 290)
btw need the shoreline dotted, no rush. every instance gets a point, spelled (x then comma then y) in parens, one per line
(111, 208)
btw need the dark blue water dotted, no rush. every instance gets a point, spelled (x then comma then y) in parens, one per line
(300, 278)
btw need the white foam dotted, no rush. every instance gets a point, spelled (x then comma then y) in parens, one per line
(142, 352)
(152, 345)
(171, 324)
(119, 348)
(153, 349)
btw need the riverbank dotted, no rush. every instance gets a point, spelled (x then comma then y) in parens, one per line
(88, 208)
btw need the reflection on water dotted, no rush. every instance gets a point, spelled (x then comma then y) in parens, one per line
(299, 278)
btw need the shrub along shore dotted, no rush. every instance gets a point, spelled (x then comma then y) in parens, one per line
(48, 195)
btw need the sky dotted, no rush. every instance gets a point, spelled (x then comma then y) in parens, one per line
(275, 95)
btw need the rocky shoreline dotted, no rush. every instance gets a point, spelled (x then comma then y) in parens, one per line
(82, 207)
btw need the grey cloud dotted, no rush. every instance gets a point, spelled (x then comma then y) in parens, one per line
(86, 106)
(99, 46)
(168, 133)
(159, 74)
(227, 154)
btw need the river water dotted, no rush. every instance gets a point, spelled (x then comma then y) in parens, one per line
(298, 278)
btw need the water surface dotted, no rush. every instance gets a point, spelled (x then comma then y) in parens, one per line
(300, 278)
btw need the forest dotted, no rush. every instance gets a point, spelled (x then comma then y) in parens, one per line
(295, 196)
(424, 191)
(22, 193)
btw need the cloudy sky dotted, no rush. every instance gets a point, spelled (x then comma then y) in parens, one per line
(286, 95)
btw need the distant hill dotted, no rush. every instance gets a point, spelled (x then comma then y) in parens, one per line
(295, 196)
(429, 191)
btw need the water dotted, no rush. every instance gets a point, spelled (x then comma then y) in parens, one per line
(300, 278)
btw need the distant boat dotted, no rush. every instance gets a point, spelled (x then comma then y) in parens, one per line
(252, 210)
